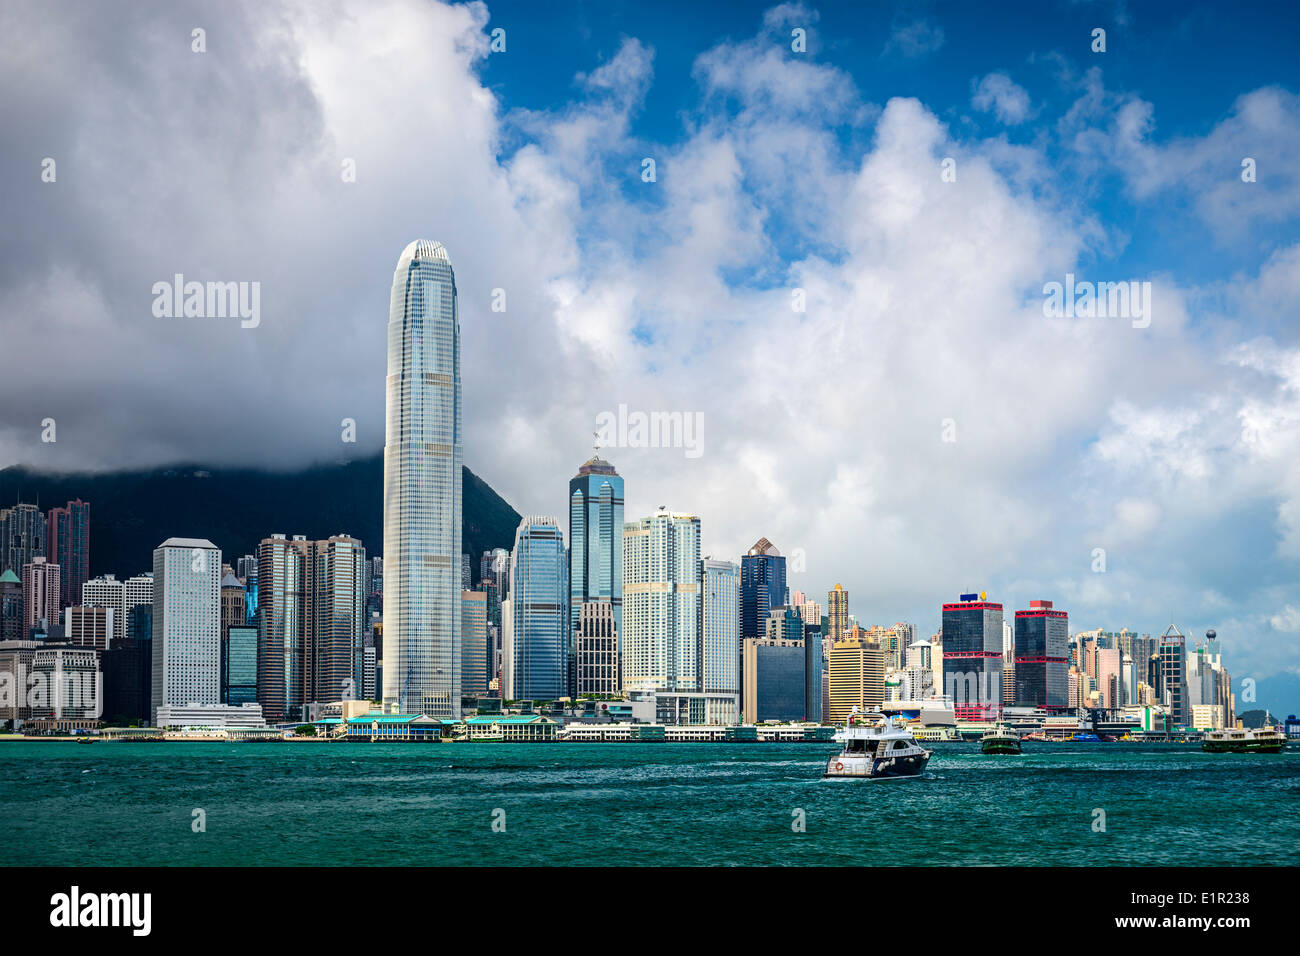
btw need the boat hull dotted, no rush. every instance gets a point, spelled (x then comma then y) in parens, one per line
(1000, 746)
(879, 768)
(1243, 746)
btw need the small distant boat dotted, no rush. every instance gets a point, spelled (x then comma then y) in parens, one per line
(1086, 739)
(1237, 740)
(876, 747)
(1000, 740)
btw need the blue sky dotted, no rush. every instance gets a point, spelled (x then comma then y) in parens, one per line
(1190, 59)
(1173, 447)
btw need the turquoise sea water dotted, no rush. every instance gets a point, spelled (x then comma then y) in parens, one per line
(637, 804)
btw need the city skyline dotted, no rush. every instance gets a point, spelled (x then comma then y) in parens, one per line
(1136, 475)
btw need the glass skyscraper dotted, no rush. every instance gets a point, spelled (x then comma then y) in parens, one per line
(535, 618)
(596, 540)
(422, 487)
(1042, 636)
(972, 657)
(762, 587)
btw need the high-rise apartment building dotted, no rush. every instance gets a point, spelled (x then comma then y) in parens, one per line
(42, 583)
(186, 631)
(837, 613)
(23, 537)
(661, 603)
(311, 622)
(68, 545)
(422, 487)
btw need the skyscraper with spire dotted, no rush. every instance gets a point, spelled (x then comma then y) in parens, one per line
(422, 487)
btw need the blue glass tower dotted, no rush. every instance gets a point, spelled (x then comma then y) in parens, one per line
(596, 540)
(535, 618)
(762, 587)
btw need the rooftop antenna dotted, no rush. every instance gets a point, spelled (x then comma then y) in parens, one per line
(595, 443)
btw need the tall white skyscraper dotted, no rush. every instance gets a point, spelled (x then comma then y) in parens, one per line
(661, 603)
(186, 623)
(422, 487)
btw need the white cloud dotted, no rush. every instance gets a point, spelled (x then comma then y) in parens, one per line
(1000, 94)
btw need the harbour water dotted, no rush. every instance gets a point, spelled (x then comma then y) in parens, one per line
(310, 803)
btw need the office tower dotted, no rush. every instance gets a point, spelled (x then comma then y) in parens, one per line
(972, 657)
(91, 627)
(41, 590)
(475, 666)
(466, 579)
(246, 571)
(239, 665)
(234, 604)
(661, 602)
(596, 644)
(720, 636)
(16, 659)
(108, 592)
(369, 665)
(139, 591)
(422, 487)
(1040, 647)
(535, 631)
(12, 627)
(762, 586)
(139, 625)
(186, 623)
(857, 676)
(1173, 675)
(375, 591)
(74, 679)
(128, 672)
(775, 680)
(495, 565)
(783, 624)
(810, 611)
(837, 613)
(68, 545)
(596, 539)
(22, 538)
